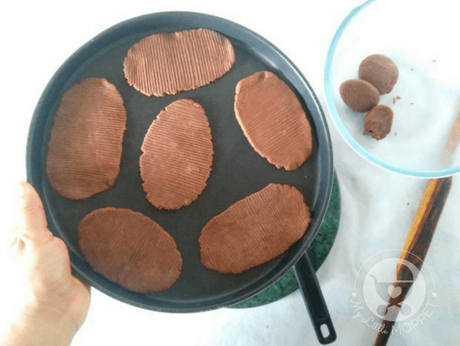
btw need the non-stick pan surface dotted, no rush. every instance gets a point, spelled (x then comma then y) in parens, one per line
(237, 169)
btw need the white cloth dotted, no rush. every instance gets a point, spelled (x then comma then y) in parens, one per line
(377, 206)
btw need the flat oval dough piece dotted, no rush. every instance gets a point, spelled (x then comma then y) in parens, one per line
(254, 230)
(273, 120)
(85, 146)
(169, 63)
(130, 249)
(176, 155)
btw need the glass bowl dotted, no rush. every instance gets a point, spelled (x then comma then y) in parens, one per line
(420, 39)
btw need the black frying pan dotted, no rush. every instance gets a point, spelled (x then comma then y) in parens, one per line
(237, 169)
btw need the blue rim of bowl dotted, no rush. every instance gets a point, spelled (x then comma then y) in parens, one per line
(341, 127)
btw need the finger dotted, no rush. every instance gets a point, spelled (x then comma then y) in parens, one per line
(11, 192)
(32, 226)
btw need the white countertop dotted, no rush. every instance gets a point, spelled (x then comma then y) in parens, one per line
(377, 206)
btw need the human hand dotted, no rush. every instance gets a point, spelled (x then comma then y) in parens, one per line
(55, 302)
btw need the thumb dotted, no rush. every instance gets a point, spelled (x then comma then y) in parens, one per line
(32, 227)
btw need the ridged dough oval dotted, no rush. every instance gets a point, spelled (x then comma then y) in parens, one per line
(130, 249)
(273, 120)
(85, 146)
(168, 63)
(254, 230)
(176, 155)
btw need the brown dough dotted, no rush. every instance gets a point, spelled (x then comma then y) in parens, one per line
(86, 140)
(130, 249)
(377, 123)
(359, 95)
(169, 63)
(254, 230)
(380, 71)
(177, 155)
(273, 120)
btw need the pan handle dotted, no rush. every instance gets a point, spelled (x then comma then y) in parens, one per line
(314, 300)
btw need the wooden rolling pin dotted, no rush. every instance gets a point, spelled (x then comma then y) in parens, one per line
(419, 237)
